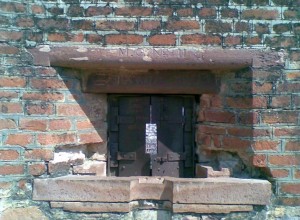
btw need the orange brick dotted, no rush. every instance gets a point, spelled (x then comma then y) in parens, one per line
(18, 82)
(266, 145)
(59, 124)
(284, 160)
(93, 137)
(39, 154)
(37, 169)
(55, 139)
(7, 124)
(19, 139)
(33, 124)
(9, 155)
(292, 188)
(162, 40)
(11, 170)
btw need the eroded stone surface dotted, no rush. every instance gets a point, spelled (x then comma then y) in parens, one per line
(97, 168)
(28, 213)
(201, 208)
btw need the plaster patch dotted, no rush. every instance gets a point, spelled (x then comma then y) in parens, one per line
(45, 48)
(80, 58)
(82, 49)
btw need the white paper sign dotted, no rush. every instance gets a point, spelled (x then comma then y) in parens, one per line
(151, 139)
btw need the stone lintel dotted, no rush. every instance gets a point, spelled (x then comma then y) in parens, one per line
(216, 209)
(86, 57)
(222, 191)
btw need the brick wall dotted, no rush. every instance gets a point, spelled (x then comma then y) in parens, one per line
(44, 113)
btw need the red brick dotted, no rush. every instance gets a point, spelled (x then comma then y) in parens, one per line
(297, 101)
(162, 40)
(266, 145)
(59, 37)
(291, 14)
(216, 140)
(134, 11)
(292, 146)
(292, 188)
(182, 25)
(281, 28)
(253, 40)
(33, 124)
(9, 155)
(229, 13)
(261, 88)
(56, 10)
(18, 82)
(233, 40)
(19, 139)
(163, 11)
(10, 107)
(284, 160)
(279, 173)
(201, 39)
(248, 132)
(115, 25)
(82, 25)
(132, 39)
(75, 10)
(7, 95)
(39, 108)
(280, 117)
(55, 139)
(93, 137)
(218, 116)
(289, 201)
(261, 28)
(281, 102)
(242, 26)
(87, 124)
(37, 169)
(185, 12)
(293, 75)
(6, 49)
(37, 9)
(247, 103)
(204, 140)
(281, 41)
(259, 160)
(11, 35)
(94, 38)
(47, 84)
(235, 143)
(70, 110)
(7, 124)
(43, 96)
(12, 7)
(59, 124)
(24, 22)
(45, 71)
(96, 11)
(297, 174)
(11, 170)
(289, 87)
(207, 13)
(287, 132)
(150, 25)
(211, 129)
(39, 154)
(260, 14)
(213, 26)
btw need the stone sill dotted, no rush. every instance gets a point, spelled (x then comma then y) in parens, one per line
(121, 194)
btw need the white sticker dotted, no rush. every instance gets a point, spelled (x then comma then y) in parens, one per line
(151, 139)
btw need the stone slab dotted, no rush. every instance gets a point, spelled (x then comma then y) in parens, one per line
(216, 209)
(207, 171)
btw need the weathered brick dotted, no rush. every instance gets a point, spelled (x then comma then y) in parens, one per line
(39, 154)
(7, 49)
(55, 139)
(288, 201)
(266, 145)
(281, 28)
(86, 124)
(59, 37)
(201, 39)
(259, 160)
(96, 11)
(43, 108)
(233, 40)
(19, 82)
(56, 168)
(128, 39)
(280, 117)
(24, 22)
(134, 11)
(37, 9)
(260, 14)
(150, 25)
(297, 174)
(43, 96)
(290, 131)
(7, 95)
(9, 155)
(247, 103)
(11, 170)
(19, 139)
(56, 10)
(94, 38)
(208, 13)
(182, 25)
(212, 129)
(281, 102)
(12, 7)
(75, 10)
(33, 124)
(213, 26)
(82, 25)
(115, 25)
(163, 11)
(162, 40)
(70, 110)
(229, 13)
(185, 12)
(292, 145)
(292, 188)
(262, 28)
(37, 169)
(261, 88)
(291, 14)
(10, 107)
(50, 24)
(7, 124)
(235, 143)
(217, 116)
(252, 40)
(284, 160)
(280, 173)
(281, 41)
(59, 124)
(242, 27)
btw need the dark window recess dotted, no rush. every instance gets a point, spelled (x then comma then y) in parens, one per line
(168, 149)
